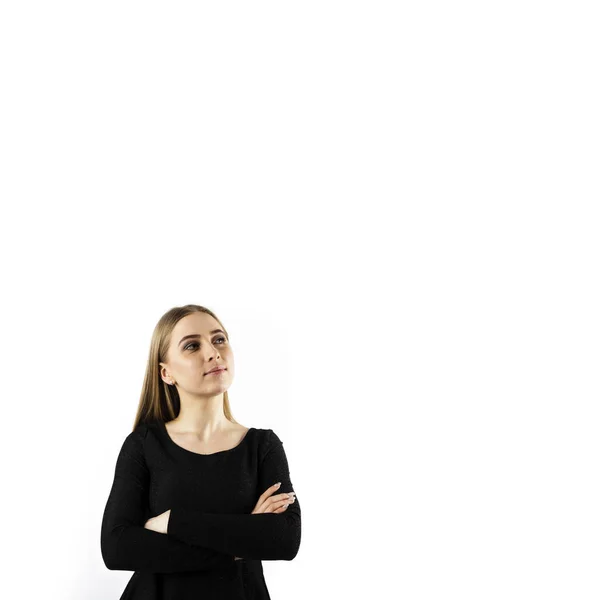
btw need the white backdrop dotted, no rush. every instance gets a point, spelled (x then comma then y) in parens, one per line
(393, 204)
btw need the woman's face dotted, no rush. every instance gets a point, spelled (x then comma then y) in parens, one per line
(196, 348)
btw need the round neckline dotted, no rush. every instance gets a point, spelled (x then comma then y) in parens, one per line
(172, 442)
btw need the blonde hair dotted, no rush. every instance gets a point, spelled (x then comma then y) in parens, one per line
(159, 401)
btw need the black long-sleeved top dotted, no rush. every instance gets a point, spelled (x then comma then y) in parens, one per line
(211, 497)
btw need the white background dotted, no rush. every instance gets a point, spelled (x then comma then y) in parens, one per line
(390, 205)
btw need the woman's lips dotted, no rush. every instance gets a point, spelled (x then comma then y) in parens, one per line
(217, 372)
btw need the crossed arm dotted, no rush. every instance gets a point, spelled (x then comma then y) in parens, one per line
(194, 541)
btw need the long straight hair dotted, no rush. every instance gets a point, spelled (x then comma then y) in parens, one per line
(160, 401)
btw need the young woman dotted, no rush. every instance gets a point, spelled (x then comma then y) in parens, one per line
(198, 500)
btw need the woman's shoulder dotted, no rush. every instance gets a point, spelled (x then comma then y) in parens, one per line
(260, 433)
(268, 441)
(141, 430)
(132, 444)
(263, 433)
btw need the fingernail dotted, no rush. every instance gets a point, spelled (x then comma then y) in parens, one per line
(278, 484)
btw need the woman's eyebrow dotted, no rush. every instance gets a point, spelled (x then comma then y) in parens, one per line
(195, 335)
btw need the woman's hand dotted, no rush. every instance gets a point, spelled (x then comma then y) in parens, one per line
(272, 504)
(159, 523)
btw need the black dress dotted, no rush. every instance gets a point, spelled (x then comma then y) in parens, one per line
(211, 497)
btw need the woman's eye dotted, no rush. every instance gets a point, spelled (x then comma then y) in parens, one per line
(196, 343)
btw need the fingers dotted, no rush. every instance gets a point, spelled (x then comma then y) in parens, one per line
(282, 501)
(275, 504)
(268, 503)
(282, 508)
(269, 491)
(272, 490)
